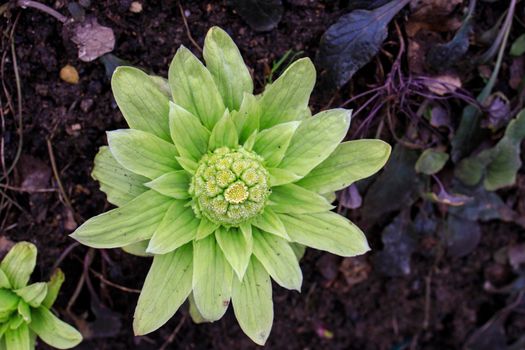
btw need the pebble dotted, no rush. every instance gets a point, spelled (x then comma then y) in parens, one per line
(135, 7)
(69, 74)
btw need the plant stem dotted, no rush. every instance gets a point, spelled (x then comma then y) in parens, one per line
(43, 8)
(501, 54)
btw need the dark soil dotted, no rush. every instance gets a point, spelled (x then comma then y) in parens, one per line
(438, 306)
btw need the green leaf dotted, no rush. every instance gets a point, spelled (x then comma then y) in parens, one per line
(138, 248)
(431, 161)
(225, 63)
(293, 199)
(252, 302)
(504, 166)
(212, 279)
(236, 248)
(143, 153)
(119, 184)
(16, 321)
(224, 134)
(33, 294)
(18, 339)
(351, 161)
(315, 139)
(206, 228)
(280, 177)
(166, 287)
(298, 250)
(246, 119)
(178, 227)
(3, 329)
(250, 142)
(53, 287)
(506, 156)
(330, 196)
(246, 229)
(174, 184)
(19, 263)
(163, 85)
(272, 143)
(8, 301)
(52, 330)
(518, 46)
(131, 223)
(269, 221)
(278, 259)
(194, 89)
(470, 171)
(195, 314)
(25, 311)
(188, 164)
(326, 231)
(188, 134)
(285, 99)
(498, 165)
(142, 103)
(4, 280)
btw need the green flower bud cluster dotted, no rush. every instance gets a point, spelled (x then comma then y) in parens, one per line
(230, 186)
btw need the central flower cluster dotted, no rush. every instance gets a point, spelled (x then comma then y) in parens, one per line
(230, 186)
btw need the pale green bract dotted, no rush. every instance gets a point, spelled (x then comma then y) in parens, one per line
(222, 187)
(25, 308)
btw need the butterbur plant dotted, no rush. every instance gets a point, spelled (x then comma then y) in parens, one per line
(222, 187)
(25, 308)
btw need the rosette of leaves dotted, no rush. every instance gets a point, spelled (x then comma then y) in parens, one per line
(25, 308)
(222, 187)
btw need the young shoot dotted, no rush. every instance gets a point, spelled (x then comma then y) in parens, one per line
(222, 187)
(25, 308)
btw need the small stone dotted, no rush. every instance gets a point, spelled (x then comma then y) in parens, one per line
(135, 7)
(69, 74)
(76, 127)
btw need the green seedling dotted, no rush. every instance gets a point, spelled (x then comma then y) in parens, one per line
(222, 187)
(25, 308)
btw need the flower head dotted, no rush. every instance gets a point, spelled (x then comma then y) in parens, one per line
(24, 308)
(224, 188)
(230, 186)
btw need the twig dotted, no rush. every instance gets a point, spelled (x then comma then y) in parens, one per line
(19, 99)
(13, 202)
(112, 284)
(64, 254)
(88, 258)
(56, 174)
(34, 190)
(41, 7)
(506, 31)
(173, 334)
(188, 33)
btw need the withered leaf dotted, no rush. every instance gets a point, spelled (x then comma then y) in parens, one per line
(353, 40)
(93, 40)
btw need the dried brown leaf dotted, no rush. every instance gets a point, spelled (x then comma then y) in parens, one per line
(93, 40)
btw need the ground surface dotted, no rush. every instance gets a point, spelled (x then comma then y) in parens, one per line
(438, 306)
